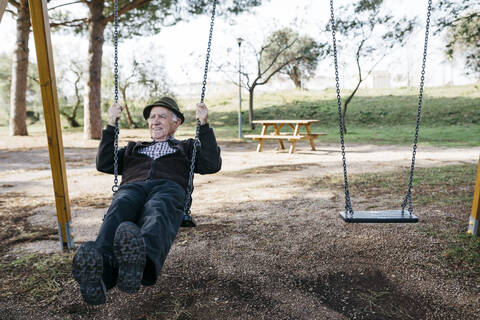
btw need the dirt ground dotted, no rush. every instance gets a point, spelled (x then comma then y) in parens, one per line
(269, 245)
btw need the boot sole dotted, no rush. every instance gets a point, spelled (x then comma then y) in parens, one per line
(87, 269)
(129, 249)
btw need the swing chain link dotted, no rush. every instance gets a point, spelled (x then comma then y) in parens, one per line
(408, 197)
(207, 58)
(115, 47)
(115, 159)
(188, 196)
(115, 74)
(348, 204)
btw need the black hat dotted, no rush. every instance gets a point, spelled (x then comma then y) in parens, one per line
(165, 102)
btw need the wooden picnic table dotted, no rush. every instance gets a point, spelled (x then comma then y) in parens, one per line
(292, 136)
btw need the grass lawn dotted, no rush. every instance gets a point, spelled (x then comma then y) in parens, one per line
(450, 115)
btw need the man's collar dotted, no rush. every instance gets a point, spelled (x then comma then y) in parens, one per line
(171, 140)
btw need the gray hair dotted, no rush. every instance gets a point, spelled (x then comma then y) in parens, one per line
(174, 116)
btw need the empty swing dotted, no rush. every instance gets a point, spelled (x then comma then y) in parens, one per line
(188, 220)
(385, 216)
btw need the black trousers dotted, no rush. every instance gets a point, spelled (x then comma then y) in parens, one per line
(156, 206)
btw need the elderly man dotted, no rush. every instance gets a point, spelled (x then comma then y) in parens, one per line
(146, 212)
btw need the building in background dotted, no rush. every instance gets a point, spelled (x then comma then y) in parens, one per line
(380, 80)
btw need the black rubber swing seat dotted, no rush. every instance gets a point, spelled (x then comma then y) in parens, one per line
(188, 222)
(386, 216)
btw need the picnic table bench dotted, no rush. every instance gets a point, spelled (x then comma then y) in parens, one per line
(292, 136)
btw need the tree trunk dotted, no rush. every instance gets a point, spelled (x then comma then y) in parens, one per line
(131, 124)
(3, 5)
(298, 83)
(346, 104)
(72, 119)
(296, 77)
(92, 104)
(18, 89)
(250, 107)
(360, 80)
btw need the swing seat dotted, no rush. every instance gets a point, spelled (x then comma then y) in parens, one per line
(386, 216)
(188, 222)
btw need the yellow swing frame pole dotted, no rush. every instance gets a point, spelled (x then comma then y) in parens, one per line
(473, 223)
(46, 72)
(3, 5)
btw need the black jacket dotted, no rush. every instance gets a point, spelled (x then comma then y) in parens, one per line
(175, 166)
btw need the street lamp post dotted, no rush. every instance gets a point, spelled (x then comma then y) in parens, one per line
(239, 41)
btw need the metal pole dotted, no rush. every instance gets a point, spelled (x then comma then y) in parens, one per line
(239, 41)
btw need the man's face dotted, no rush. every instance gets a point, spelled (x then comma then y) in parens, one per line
(161, 123)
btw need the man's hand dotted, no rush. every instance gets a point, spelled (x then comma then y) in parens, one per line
(114, 113)
(202, 113)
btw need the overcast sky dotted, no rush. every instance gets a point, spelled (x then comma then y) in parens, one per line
(181, 48)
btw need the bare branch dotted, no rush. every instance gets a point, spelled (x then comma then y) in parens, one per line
(375, 65)
(358, 59)
(11, 12)
(65, 4)
(221, 68)
(247, 85)
(14, 3)
(133, 5)
(258, 56)
(278, 69)
(445, 22)
(71, 23)
(278, 54)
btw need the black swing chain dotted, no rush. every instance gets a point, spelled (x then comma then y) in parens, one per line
(408, 197)
(188, 196)
(348, 204)
(115, 76)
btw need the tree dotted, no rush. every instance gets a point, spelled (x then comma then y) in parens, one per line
(3, 5)
(373, 33)
(77, 70)
(299, 69)
(20, 68)
(5, 79)
(146, 80)
(282, 51)
(136, 17)
(18, 88)
(461, 20)
(5, 84)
